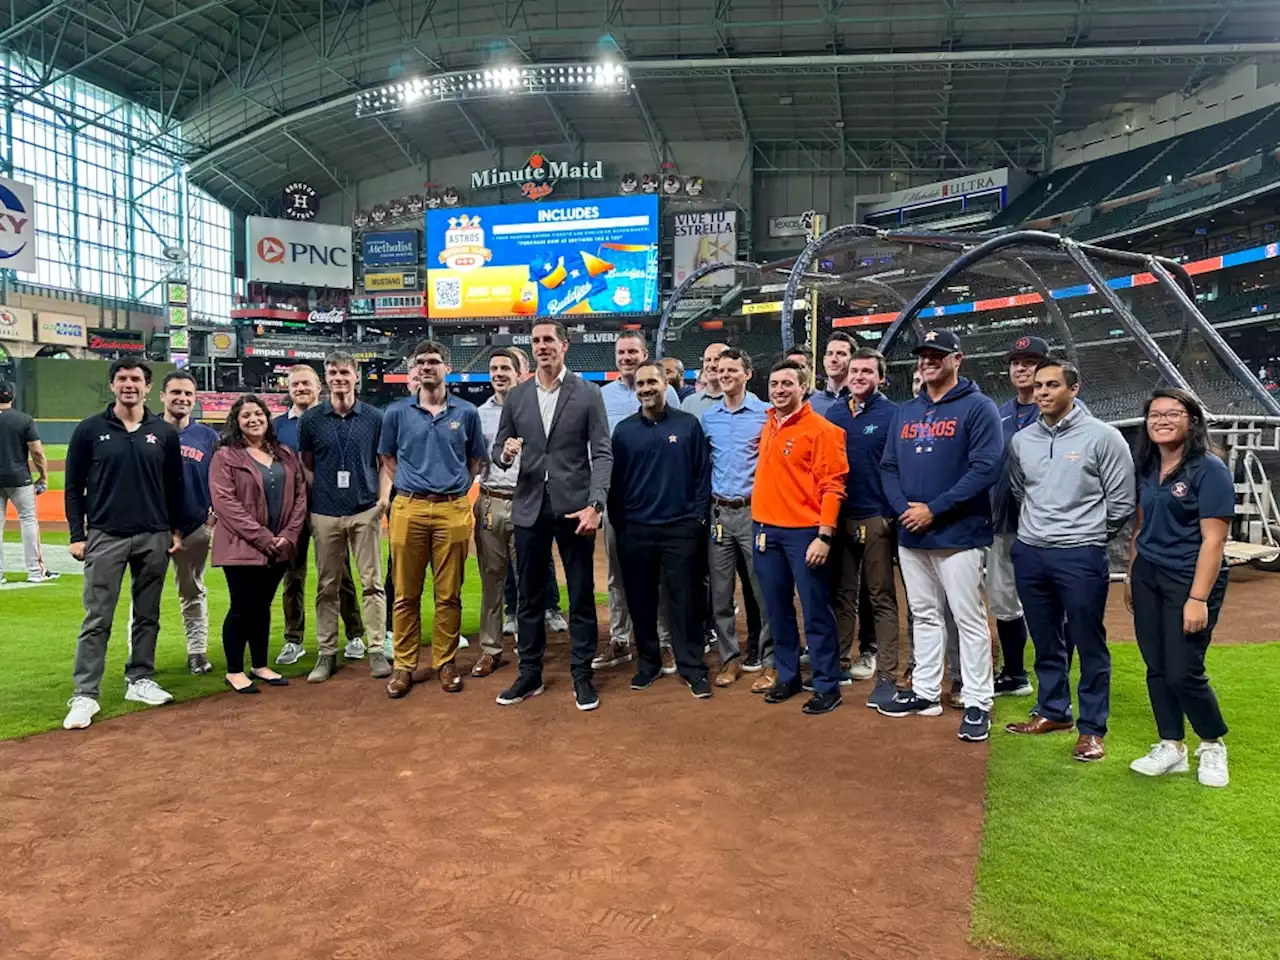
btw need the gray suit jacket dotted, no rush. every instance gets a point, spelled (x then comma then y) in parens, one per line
(575, 459)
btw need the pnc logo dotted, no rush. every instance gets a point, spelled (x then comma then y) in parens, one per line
(271, 250)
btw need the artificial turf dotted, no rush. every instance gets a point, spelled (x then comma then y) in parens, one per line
(1094, 862)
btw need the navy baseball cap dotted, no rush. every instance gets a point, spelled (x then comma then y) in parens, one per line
(944, 341)
(1029, 347)
(7, 391)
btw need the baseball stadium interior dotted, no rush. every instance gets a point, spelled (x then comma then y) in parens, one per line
(232, 189)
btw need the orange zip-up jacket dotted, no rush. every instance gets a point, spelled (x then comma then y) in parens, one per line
(801, 473)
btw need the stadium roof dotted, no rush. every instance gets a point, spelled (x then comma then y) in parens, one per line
(261, 92)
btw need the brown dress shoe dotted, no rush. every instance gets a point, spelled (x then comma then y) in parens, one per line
(729, 673)
(1038, 725)
(765, 682)
(488, 663)
(400, 684)
(1089, 748)
(450, 682)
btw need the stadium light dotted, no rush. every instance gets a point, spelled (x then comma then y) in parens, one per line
(540, 80)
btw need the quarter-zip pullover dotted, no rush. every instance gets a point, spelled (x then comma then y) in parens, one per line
(802, 470)
(661, 469)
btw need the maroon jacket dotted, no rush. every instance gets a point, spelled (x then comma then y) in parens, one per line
(239, 500)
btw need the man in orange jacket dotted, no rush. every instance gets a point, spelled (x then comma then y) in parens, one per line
(800, 484)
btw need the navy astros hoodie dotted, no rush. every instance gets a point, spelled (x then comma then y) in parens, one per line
(946, 455)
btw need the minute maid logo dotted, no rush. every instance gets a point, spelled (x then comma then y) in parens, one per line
(538, 176)
(464, 247)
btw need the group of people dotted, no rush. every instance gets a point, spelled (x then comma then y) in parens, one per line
(814, 495)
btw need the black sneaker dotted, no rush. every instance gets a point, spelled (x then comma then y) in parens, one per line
(527, 685)
(643, 681)
(1007, 686)
(779, 693)
(822, 702)
(752, 663)
(584, 693)
(701, 688)
(199, 664)
(806, 684)
(907, 704)
(976, 724)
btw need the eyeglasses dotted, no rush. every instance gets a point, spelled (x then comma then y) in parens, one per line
(1170, 416)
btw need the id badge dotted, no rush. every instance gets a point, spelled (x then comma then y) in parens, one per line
(760, 542)
(487, 522)
(344, 479)
(719, 535)
(862, 533)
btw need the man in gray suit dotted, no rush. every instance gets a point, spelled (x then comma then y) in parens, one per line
(555, 423)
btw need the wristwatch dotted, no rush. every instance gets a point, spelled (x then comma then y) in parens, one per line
(825, 538)
(597, 506)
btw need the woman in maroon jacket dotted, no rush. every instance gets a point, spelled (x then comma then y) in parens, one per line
(260, 498)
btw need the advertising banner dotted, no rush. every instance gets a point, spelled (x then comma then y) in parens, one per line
(544, 260)
(221, 344)
(391, 249)
(798, 225)
(299, 254)
(285, 353)
(124, 341)
(706, 237)
(216, 406)
(17, 226)
(16, 324)
(61, 328)
(405, 280)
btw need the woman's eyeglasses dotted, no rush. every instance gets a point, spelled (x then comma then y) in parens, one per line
(1170, 416)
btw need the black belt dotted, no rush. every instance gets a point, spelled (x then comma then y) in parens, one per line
(498, 494)
(434, 497)
(734, 502)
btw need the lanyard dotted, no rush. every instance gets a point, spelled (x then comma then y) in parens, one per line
(341, 441)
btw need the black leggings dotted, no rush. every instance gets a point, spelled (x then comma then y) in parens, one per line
(253, 591)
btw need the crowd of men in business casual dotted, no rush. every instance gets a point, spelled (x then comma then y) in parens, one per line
(813, 496)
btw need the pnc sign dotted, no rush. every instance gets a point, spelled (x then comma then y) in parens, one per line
(299, 254)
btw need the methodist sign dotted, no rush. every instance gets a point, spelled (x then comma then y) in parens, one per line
(299, 254)
(17, 226)
(391, 249)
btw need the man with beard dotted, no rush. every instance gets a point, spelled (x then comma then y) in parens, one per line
(304, 391)
(659, 498)
(198, 442)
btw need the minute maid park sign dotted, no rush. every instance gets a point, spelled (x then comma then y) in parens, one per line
(537, 177)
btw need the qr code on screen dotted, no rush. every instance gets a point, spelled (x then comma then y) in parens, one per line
(448, 292)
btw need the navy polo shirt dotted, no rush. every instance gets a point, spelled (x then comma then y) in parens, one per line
(342, 444)
(1171, 513)
(433, 452)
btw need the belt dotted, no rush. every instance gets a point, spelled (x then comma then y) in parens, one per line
(498, 494)
(434, 497)
(731, 501)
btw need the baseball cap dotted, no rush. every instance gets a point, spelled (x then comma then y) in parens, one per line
(7, 391)
(943, 341)
(1029, 347)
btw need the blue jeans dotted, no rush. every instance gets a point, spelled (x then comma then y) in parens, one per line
(1064, 598)
(783, 574)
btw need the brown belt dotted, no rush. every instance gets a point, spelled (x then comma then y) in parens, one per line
(498, 494)
(731, 501)
(434, 497)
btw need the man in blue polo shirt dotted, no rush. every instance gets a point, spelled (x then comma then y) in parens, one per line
(338, 441)
(431, 450)
(733, 429)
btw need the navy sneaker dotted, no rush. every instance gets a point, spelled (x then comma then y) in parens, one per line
(905, 704)
(527, 685)
(976, 724)
(584, 693)
(1007, 686)
(822, 702)
(701, 688)
(643, 681)
(846, 676)
(883, 694)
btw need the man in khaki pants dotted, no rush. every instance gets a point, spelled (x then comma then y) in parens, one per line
(338, 441)
(431, 450)
(495, 534)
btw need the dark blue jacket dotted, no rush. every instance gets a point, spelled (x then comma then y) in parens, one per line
(661, 470)
(864, 441)
(946, 455)
(198, 443)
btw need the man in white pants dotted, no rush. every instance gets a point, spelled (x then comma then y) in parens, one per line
(944, 453)
(19, 440)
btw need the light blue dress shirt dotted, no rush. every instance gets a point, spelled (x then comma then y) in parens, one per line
(734, 436)
(620, 401)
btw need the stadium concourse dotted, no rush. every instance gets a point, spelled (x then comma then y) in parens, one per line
(553, 416)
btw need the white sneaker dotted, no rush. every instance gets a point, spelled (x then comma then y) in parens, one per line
(1213, 764)
(509, 626)
(864, 668)
(354, 650)
(147, 691)
(81, 714)
(291, 653)
(1166, 756)
(556, 622)
(463, 642)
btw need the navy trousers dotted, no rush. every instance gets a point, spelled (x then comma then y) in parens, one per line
(1064, 598)
(783, 574)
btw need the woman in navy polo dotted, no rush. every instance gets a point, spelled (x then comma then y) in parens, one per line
(1178, 578)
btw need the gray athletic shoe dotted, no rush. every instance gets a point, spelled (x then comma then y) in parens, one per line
(379, 666)
(326, 666)
(864, 668)
(556, 622)
(291, 653)
(354, 649)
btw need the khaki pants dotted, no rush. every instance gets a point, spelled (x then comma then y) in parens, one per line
(495, 549)
(188, 570)
(863, 553)
(437, 533)
(361, 536)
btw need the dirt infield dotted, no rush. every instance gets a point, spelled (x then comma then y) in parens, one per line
(330, 822)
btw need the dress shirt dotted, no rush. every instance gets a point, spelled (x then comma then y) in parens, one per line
(734, 436)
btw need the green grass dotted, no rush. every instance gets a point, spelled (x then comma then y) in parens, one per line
(38, 629)
(55, 451)
(1093, 862)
